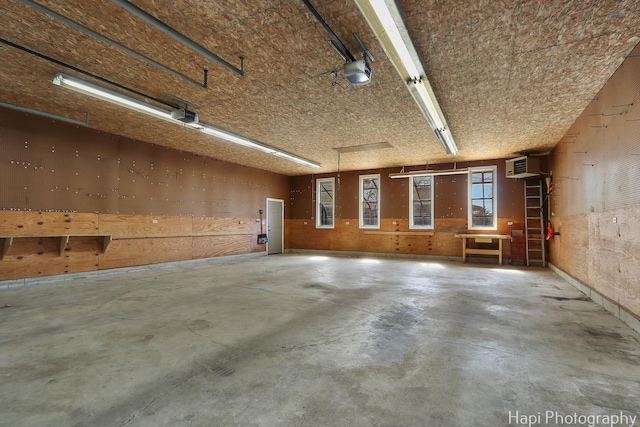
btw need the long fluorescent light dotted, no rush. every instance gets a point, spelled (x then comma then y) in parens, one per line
(429, 173)
(99, 92)
(386, 22)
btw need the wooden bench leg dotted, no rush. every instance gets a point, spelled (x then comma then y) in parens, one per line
(464, 249)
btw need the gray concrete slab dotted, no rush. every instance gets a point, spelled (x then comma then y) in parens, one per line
(307, 340)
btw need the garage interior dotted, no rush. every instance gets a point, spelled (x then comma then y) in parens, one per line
(449, 197)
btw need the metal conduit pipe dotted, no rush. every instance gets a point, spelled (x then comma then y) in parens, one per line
(45, 114)
(86, 73)
(111, 42)
(152, 20)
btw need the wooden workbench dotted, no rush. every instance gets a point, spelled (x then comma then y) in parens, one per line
(482, 238)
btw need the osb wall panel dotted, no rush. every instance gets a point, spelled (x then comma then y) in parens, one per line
(59, 167)
(597, 191)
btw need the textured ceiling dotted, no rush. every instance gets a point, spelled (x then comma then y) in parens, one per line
(511, 76)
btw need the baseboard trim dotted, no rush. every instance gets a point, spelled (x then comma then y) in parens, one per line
(611, 306)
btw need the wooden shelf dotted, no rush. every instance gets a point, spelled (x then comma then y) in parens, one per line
(64, 241)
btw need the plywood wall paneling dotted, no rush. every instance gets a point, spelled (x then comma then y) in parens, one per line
(212, 246)
(574, 245)
(167, 249)
(123, 253)
(9, 269)
(130, 252)
(39, 223)
(596, 173)
(37, 256)
(209, 225)
(614, 249)
(121, 226)
(12, 223)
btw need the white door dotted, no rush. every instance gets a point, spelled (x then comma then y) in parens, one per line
(275, 228)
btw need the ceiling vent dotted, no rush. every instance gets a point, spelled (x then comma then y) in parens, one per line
(523, 167)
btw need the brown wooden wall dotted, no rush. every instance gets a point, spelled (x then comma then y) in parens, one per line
(394, 235)
(136, 240)
(60, 179)
(596, 202)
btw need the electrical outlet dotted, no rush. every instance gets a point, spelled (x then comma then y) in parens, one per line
(305, 223)
(347, 222)
(154, 221)
(241, 222)
(615, 220)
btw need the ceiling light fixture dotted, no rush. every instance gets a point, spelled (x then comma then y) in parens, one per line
(99, 92)
(429, 173)
(386, 22)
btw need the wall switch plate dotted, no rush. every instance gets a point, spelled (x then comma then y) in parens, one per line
(615, 219)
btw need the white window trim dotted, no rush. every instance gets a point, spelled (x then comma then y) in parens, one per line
(319, 182)
(360, 200)
(493, 169)
(411, 225)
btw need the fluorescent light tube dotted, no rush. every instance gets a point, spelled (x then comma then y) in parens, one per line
(385, 20)
(99, 92)
(429, 173)
(96, 91)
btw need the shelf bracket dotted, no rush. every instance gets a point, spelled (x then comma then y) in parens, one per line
(8, 241)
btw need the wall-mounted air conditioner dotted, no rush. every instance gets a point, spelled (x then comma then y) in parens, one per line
(523, 167)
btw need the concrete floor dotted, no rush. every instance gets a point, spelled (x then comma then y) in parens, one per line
(302, 340)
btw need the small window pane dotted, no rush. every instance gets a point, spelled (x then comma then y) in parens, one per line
(481, 199)
(421, 214)
(325, 203)
(369, 201)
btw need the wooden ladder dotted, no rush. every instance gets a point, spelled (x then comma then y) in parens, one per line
(534, 223)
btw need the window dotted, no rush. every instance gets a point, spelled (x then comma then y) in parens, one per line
(325, 202)
(370, 201)
(421, 202)
(482, 199)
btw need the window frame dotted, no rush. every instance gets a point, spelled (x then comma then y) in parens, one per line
(412, 226)
(319, 182)
(494, 183)
(361, 200)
